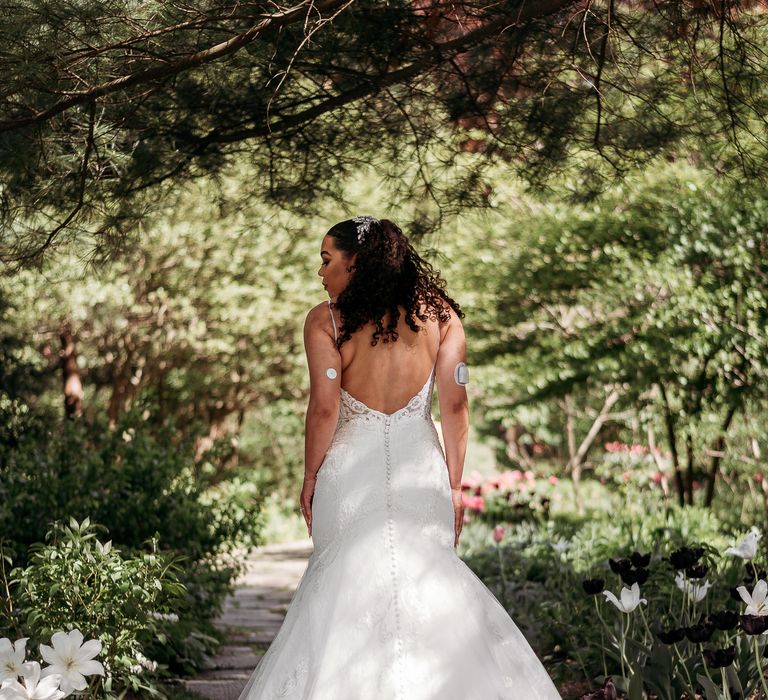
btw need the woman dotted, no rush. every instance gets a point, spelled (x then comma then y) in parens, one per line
(386, 610)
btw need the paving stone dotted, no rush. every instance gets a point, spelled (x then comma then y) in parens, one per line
(241, 661)
(224, 674)
(234, 650)
(217, 690)
(251, 617)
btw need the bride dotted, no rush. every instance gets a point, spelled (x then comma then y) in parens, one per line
(386, 609)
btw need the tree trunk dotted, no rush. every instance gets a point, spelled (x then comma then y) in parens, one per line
(72, 383)
(669, 421)
(576, 462)
(120, 389)
(689, 458)
(570, 433)
(514, 453)
(657, 459)
(717, 456)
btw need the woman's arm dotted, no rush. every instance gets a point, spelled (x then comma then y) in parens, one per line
(323, 407)
(454, 407)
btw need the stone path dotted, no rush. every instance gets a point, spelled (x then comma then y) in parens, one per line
(252, 617)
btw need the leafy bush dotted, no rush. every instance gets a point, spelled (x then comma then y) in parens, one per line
(536, 569)
(74, 581)
(141, 481)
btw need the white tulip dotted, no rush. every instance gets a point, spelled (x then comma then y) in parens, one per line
(72, 659)
(756, 603)
(12, 663)
(32, 688)
(747, 548)
(630, 598)
(697, 591)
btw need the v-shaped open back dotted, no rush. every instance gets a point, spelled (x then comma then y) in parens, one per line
(419, 403)
(421, 395)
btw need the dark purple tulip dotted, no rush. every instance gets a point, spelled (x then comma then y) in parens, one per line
(629, 576)
(640, 560)
(753, 574)
(697, 572)
(619, 566)
(720, 658)
(701, 632)
(724, 619)
(642, 576)
(735, 594)
(672, 636)
(685, 557)
(593, 586)
(754, 624)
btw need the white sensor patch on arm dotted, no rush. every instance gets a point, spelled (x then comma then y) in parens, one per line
(461, 373)
(330, 373)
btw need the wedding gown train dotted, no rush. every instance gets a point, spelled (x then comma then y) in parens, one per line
(386, 609)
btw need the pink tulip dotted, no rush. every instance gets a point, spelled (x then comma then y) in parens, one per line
(498, 533)
(472, 480)
(553, 480)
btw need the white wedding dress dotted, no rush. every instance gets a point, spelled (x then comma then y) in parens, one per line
(386, 609)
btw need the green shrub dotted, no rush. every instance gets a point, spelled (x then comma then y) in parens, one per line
(141, 482)
(76, 581)
(537, 570)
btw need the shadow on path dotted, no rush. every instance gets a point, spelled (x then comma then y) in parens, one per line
(251, 617)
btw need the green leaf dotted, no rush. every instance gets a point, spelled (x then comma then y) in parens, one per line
(711, 691)
(635, 691)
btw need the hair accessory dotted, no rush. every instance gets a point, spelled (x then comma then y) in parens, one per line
(363, 226)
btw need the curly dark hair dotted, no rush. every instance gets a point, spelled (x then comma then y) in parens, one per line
(388, 272)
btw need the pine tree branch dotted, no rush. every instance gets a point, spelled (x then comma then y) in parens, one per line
(199, 58)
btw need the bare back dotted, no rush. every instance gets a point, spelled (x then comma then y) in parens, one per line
(386, 376)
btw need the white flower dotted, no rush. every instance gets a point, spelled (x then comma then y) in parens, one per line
(33, 688)
(630, 598)
(747, 548)
(756, 603)
(562, 545)
(72, 659)
(12, 658)
(696, 590)
(145, 662)
(170, 617)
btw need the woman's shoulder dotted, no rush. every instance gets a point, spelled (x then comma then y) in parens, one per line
(446, 308)
(317, 314)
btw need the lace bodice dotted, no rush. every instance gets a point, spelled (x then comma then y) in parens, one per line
(419, 406)
(352, 409)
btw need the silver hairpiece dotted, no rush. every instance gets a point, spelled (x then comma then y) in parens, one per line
(363, 226)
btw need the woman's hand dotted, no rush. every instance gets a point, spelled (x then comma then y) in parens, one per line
(458, 513)
(305, 500)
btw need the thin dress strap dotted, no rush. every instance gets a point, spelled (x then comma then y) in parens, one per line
(333, 318)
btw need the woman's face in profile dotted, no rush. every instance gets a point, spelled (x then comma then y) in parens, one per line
(333, 268)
